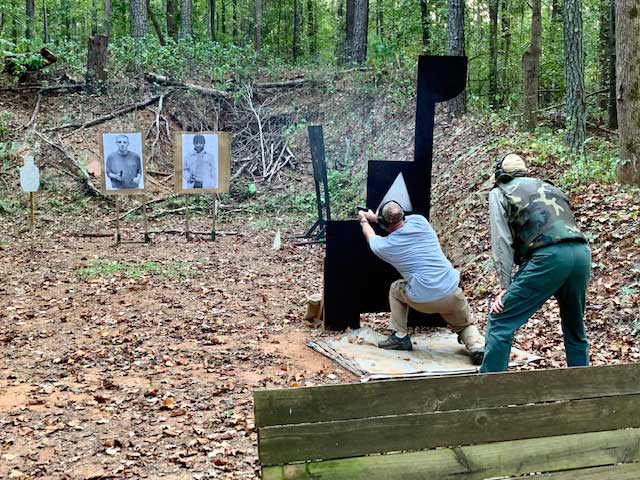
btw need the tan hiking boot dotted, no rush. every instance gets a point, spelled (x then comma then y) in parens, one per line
(471, 338)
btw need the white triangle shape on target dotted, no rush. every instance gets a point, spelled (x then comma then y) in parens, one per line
(398, 192)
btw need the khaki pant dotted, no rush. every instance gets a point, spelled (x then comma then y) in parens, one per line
(454, 309)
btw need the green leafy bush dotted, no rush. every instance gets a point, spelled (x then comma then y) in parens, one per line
(597, 164)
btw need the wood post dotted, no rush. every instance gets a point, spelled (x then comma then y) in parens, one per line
(215, 216)
(145, 220)
(118, 237)
(32, 219)
(186, 217)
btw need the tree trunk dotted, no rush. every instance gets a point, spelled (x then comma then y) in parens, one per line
(97, 58)
(65, 8)
(296, 31)
(575, 112)
(94, 17)
(424, 22)
(213, 31)
(611, 104)
(156, 25)
(45, 22)
(505, 22)
(603, 51)
(279, 35)
(138, 18)
(172, 19)
(235, 20)
(187, 19)
(380, 18)
(29, 10)
(258, 40)
(493, 53)
(106, 19)
(556, 11)
(349, 29)
(530, 66)
(424, 17)
(14, 24)
(223, 16)
(455, 40)
(341, 33)
(312, 29)
(360, 31)
(628, 89)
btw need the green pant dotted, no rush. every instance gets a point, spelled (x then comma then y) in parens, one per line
(560, 270)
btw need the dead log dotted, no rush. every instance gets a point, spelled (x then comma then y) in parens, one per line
(19, 64)
(162, 80)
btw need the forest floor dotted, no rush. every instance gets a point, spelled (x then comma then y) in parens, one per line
(139, 360)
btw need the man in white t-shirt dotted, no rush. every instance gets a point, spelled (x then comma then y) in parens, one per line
(429, 282)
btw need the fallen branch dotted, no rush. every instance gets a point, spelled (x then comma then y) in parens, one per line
(606, 130)
(238, 172)
(110, 116)
(93, 235)
(155, 141)
(191, 232)
(163, 213)
(83, 173)
(162, 80)
(286, 84)
(158, 173)
(36, 109)
(40, 88)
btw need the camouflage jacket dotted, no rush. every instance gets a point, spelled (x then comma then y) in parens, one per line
(527, 214)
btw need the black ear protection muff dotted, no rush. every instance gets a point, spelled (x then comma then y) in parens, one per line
(499, 170)
(381, 221)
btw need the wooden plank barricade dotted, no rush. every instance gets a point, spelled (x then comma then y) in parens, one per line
(555, 424)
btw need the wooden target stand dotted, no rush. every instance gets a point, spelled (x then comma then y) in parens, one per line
(187, 232)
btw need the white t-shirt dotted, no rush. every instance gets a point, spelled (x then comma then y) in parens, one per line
(415, 252)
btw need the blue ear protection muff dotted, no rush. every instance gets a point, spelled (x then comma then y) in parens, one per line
(381, 221)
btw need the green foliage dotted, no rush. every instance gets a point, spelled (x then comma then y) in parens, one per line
(100, 268)
(598, 164)
(346, 191)
(184, 59)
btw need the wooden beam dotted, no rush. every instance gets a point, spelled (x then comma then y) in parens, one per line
(394, 433)
(629, 471)
(476, 462)
(351, 401)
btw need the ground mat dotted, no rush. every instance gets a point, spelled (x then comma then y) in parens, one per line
(434, 353)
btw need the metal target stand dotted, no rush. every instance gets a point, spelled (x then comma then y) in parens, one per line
(317, 232)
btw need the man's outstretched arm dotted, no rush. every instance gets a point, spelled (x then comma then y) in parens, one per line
(364, 218)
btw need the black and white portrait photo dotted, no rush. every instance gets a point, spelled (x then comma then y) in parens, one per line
(199, 161)
(123, 163)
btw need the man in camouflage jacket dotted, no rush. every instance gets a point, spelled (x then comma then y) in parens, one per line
(532, 226)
